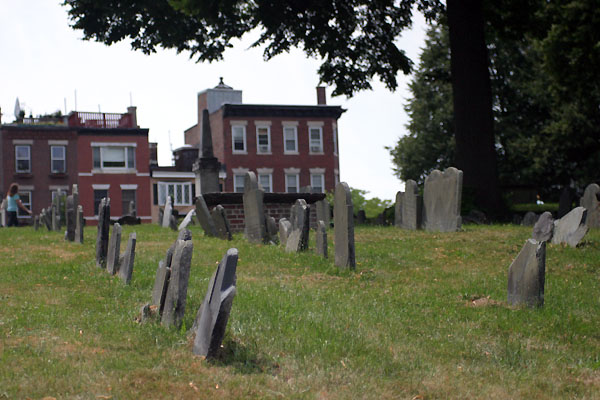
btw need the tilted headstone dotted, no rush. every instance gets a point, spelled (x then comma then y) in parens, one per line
(526, 275)
(187, 220)
(543, 228)
(321, 239)
(272, 230)
(102, 236)
(285, 227)
(221, 223)
(70, 218)
(204, 217)
(591, 202)
(176, 296)
(254, 214)
(297, 239)
(79, 224)
(571, 228)
(211, 319)
(442, 200)
(173, 222)
(529, 219)
(114, 249)
(343, 223)
(412, 206)
(36, 222)
(127, 259)
(167, 213)
(46, 219)
(398, 209)
(323, 212)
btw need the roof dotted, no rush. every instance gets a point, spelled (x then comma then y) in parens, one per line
(269, 110)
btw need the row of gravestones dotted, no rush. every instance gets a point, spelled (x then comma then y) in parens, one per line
(52, 219)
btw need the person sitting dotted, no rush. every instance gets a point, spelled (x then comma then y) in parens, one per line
(13, 203)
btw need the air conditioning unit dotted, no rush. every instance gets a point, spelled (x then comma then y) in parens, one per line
(263, 148)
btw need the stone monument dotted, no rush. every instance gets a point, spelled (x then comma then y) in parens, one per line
(207, 166)
(412, 206)
(254, 214)
(591, 202)
(526, 275)
(102, 236)
(442, 200)
(343, 223)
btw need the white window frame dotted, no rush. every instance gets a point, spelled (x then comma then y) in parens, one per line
(263, 149)
(237, 179)
(245, 143)
(25, 203)
(312, 182)
(269, 175)
(127, 149)
(63, 159)
(17, 158)
(315, 149)
(183, 200)
(287, 182)
(335, 138)
(293, 126)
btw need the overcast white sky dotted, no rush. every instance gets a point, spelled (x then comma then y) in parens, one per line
(44, 62)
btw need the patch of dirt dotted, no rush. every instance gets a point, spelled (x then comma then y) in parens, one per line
(483, 301)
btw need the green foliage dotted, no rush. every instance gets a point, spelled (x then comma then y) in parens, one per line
(372, 207)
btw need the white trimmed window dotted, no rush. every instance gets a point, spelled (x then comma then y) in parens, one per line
(180, 192)
(238, 139)
(113, 157)
(238, 183)
(58, 159)
(335, 138)
(290, 139)
(315, 134)
(25, 197)
(292, 183)
(23, 158)
(266, 181)
(263, 140)
(317, 182)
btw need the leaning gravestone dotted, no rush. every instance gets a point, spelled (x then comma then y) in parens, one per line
(36, 222)
(398, 209)
(591, 202)
(442, 200)
(221, 223)
(167, 213)
(297, 239)
(79, 224)
(114, 248)
(323, 211)
(55, 217)
(70, 217)
(211, 320)
(254, 214)
(204, 217)
(173, 222)
(175, 298)
(102, 236)
(285, 228)
(529, 219)
(526, 275)
(571, 228)
(543, 228)
(321, 239)
(412, 206)
(272, 231)
(343, 223)
(187, 220)
(46, 219)
(127, 259)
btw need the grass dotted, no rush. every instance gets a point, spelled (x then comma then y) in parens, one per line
(424, 314)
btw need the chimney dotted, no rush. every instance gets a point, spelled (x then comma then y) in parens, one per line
(133, 112)
(321, 99)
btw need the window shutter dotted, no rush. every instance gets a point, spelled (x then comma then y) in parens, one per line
(155, 194)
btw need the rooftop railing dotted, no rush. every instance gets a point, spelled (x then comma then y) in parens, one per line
(100, 120)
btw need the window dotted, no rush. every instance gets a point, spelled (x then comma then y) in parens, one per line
(265, 181)
(238, 138)
(58, 160)
(99, 194)
(25, 197)
(317, 183)
(23, 158)
(290, 138)
(292, 183)
(263, 140)
(316, 139)
(180, 192)
(238, 183)
(127, 196)
(113, 157)
(335, 138)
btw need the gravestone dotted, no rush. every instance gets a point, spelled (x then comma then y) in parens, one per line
(221, 223)
(272, 230)
(70, 218)
(127, 259)
(285, 227)
(79, 224)
(46, 218)
(321, 239)
(55, 217)
(207, 166)
(102, 236)
(442, 200)
(173, 222)
(412, 206)
(204, 217)
(167, 213)
(161, 215)
(571, 228)
(114, 249)
(529, 219)
(591, 202)
(187, 220)
(3, 212)
(323, 212)
(211, 319)
(398, 209)
(361, 217)
(176, 296)
(132, 211)
(36, 222)
(343, 223)
(297, 239)
(526, 275)
(543, 228)
(254, 214)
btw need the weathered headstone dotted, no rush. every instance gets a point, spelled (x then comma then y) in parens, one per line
(173, 222)
(55, 217)
(207, 166)
(79, 224)
(36, 222)
(272, 230)
(591, 202)
(211, 319)
(321, 239)
(412, 206)
(398, 209)
(526, 275)
(529, 219)
(571, 228)
(187, 220)
(132, 211)
(254, 214)
(442, 200)
(47, 218)
(70, 218)
(297, 239)
(3, 212)
(161, 215)
(323, 211)
(361, 217)
(221, 223)
(543, 228)
(114, 249)
(167, 213)
(176, 296)
(127, 259)
(285, 227)
(102, 236)
(204, 217)
(343, 223)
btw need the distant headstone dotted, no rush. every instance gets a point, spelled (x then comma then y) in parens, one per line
(161, 215)
(272, 230)
(526, 275)
(343, 223)
(306, 189)
(167, 213)
(321, 239)
(70, 213)
(46, 218)
(254, 214)
(442, 200)
(211, 319)
(591, 202)
(297, 239)
(529, 219)
(323, 211)
(204, 217)
(132, 211)
(114, 249)
(55, 217)
(221, 223)
(127, 259)
(187, 220)
(543, 228)
(398, 209)
(361, 217)
(207, 166)
(175, 298)
(571, 228)
(565, 202)
(285, 228)
(36, 222)
(412, 206)
(173, 222)
(102, 236)
(79, 224)
(3, 212)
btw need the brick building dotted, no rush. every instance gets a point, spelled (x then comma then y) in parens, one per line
(289, 147)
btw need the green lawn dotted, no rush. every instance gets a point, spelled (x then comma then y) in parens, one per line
(424, 314)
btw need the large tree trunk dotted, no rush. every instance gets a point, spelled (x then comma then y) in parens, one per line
(472, 96)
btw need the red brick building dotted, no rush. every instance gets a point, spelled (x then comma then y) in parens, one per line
(289, 147)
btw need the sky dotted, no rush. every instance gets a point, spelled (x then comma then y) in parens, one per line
(46, 65)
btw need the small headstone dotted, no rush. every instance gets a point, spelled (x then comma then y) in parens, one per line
(272, 230)
(167, 213)
(79, 224)
(254, 214)
(127, 259)
(114, 249)
(442, 200)
(529, 219)
(204, 217)
(102, 236)
(343, 223)
(55, 218)
(132, 211)
(187, 220)
(70, 213)
(526, 275)
(591, 202)
(221, 223)
(211, 319)
(297, 239)
(161, 215)
(543, 228)
(173, 222)
(571, 228)
(285, 228)
(321, 239)
(323, 211)
(306, 189)
(46, 219)
(412, 206)
(176, 296)
(361, 217)
(36, 222)
(398, 209)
